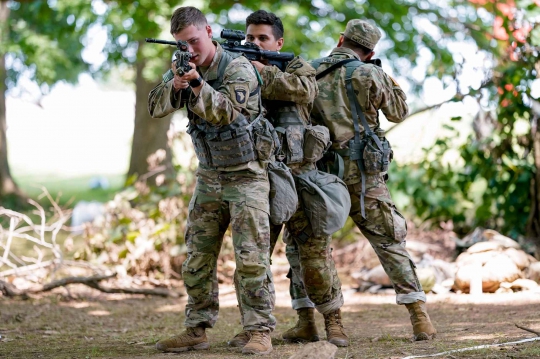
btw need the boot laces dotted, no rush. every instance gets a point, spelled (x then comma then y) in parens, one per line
(187, 336)
(333, 324)
(257, 337)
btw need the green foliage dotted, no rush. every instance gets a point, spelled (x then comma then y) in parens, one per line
(481, 190)
(45, 40)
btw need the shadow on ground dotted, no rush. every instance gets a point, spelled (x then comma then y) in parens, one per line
(94, 325)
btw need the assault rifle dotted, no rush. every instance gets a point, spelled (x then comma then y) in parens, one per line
(232, 43)
(181, 57)
(376, 62)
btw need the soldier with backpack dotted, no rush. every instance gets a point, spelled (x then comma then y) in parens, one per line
(352, 90)
(288, 97)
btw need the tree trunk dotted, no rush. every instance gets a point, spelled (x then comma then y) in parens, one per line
(533, 225)
(10, 195)
(150, 151)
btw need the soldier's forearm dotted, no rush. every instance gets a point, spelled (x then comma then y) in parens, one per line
(283, 86)
(162, 100)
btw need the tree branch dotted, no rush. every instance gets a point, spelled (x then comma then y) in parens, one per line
(93, 282)
(428, 108)
(528, 330)
(456, 97)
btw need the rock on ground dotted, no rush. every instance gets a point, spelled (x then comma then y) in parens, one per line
(316, 350)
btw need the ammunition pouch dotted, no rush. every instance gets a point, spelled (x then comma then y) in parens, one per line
(224, 146)
(266, 139)
(375, 159)
(365, 152)
(301, 142)
(316, 143)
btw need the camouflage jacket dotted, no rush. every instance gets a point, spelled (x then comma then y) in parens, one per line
(375, 91)
(297, 84)
(293, 90)
(216, 107)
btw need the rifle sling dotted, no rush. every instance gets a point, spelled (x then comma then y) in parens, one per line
(332, 68)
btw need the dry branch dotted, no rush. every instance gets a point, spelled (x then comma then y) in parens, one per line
(21, 227)
(162, 292)
(93, 282)
(10, 291)
(71, 280)
(528, 329)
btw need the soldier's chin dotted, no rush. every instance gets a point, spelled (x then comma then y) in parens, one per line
(195, 60)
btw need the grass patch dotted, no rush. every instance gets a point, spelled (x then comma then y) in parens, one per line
(69, 191)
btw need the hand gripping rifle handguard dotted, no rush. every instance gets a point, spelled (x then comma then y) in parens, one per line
(181, 58)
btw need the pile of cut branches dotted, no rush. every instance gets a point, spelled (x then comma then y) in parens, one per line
(22, 274)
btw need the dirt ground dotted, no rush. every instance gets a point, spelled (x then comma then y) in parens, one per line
(90, 324)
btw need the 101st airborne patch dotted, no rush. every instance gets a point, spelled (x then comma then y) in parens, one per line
(240, 96)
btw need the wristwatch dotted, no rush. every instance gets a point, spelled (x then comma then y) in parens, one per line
(196, 83)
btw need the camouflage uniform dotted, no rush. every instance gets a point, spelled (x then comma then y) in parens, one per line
(284, 93)
(235, 194)
(294, 91)
(384, 226)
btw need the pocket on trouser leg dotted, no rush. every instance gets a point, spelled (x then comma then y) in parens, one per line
(257, 293)
(393, 221)
(197, 269)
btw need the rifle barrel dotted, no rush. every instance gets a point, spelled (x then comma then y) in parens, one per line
(164, 42)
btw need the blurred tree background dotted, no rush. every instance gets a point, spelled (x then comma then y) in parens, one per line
(492, 180)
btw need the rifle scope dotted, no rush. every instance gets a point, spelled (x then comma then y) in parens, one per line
(229, 34)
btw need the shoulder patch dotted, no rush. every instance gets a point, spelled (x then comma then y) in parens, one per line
(241, 95)
(297, 65)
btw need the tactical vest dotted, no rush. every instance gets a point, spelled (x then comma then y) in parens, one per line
(287, 122)
(228, 145)
(371, 153)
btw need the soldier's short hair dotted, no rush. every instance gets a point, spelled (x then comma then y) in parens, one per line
(353, 45)
(186, 16)
(262, 17)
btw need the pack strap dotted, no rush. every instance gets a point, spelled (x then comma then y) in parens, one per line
(357, 112)
(338, 165)
(332, 68)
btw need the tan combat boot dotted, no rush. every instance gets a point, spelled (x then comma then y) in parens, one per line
(259, 343)
(189, 339)
(335, 333)
(240, 339)
(422, 327)
(305, 329)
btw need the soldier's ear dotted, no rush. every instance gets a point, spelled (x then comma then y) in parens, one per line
(209, 31)
(340, 41)
(280, 43)
(370, 55)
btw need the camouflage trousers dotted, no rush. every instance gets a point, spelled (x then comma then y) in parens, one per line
(310, 261)
(241, 199)
(386, 229)
(313, 274)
